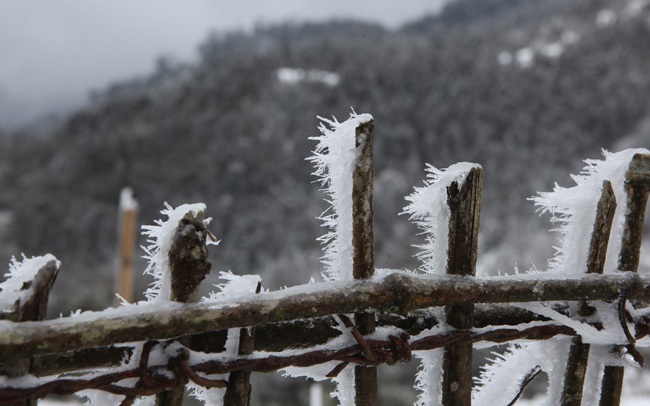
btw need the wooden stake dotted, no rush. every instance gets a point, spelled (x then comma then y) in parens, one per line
(465, 207)
(576, 368)
(365, 378)
(239, 386)
(126, 245)
(33, 308)
(637, 185)
(189, 265)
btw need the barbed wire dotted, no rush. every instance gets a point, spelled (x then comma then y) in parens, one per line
(397, 347)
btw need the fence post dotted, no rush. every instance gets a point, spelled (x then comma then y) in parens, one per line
(189, 264)
(34, 308)
(465, 207)
(574, 374)
(239, 388)
(637, 186)
(365, 378)
(126, 245)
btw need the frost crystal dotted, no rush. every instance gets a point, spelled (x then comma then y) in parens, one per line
(574, 209)
(428, 208)
(428, 380)
(335, 157)
(160, 238)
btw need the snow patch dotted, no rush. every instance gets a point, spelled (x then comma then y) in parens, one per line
(505, 58)
(525, 57)
(293, 76)
(605, 18)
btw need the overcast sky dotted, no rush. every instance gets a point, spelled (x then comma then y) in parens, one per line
(53, 52)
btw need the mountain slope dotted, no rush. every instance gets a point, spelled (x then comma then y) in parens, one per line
(527, 90)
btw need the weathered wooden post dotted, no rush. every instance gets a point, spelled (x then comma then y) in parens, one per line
(637, 185)
(465, 207)
(576, 368)
(365, 378)
(128, 212)
(239, 388)
(31, 306)
(189, 265)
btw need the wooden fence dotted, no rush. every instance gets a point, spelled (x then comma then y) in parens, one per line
(54, 354)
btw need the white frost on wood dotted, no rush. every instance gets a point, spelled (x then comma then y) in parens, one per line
(17, 286)
(428, 380)
(344, 392)
(501, 379)
(160, 237)
(233, 288)
(574, 210)
(335, 158)
(428, 209)
(97, 397)
(610, 333)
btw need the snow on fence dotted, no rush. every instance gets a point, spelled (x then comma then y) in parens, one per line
(580, 322)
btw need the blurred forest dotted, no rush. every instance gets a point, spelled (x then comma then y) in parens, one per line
(526, 88)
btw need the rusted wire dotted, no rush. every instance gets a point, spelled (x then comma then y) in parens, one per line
(623, 315)
(359, 337)
(397, 348)
(182, 362)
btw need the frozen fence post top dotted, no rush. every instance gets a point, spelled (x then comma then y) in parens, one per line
(637, 187)
(26, 280)
(188, 257)
(127, 201)
(24, 297)
(638, 174)
(429, 210)
(337, 157)
(177, 253)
